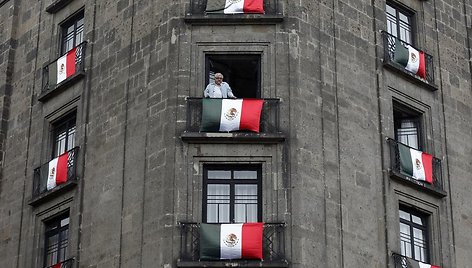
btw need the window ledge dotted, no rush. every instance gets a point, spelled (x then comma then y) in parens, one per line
(49, 93)
(48, 195)
(423, 186)
(57, 5)
(222, 19)
(396, 68)
(229, 263)
(235, 137)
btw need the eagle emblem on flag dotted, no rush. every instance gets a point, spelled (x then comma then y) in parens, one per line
(61, 71)
(231, 113)
(418, 164)
(413, 57)
(53, 170)
(231, 240)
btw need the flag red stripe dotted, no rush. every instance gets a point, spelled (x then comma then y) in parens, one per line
(251, 114)
(253, 6)
(421, 68)
(57, 265)
(252, 240)
(70, 62)
(428, 167)
(61, 175)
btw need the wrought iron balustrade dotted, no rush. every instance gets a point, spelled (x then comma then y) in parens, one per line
(396, 169)
(50, 71)
(389, 52)
(269, 116)
(273, 241)
(40, 178)
(69, 263)
(401, 261)
(197, 7)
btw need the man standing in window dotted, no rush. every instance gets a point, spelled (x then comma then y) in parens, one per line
(219, 89)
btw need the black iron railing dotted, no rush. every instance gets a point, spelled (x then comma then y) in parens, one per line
(41, 173)
(273, 244)
(197, 7)
(401, 261)
(50, 71)
(69, 263)
(389, 51)
(269, 115)
(397, 170)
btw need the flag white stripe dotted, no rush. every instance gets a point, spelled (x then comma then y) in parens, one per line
(233, 250)
(234, 6)
(413, 63)
(51, 183)
(228, 121)
(424, 265)
(61, 72)
(418, 168)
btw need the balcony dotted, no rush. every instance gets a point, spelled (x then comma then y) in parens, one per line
(401, 261)
(197, 15)
(436, 187)
(269, 126)
(53, 82)
(273, 248)
(69, 263)
(40, 179)
(389, 50)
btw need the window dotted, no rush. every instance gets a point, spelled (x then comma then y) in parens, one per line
(72, 32)
(414, 234)
(232, 193)
(400, 22)
(63, 133)
(407, 124)
(56, 240)
(241, 72)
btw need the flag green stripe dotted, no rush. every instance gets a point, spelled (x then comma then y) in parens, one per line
(210, 241)
(215, 6)
(401, 54)
(211, 114)
(405, 159)
(413, 264)
(52, 73)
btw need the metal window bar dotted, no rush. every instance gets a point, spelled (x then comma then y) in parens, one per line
(197, 7)
(79, 67)
(389, 50)
(40, 177)
(273, 241)
(396, 167)
(269, 115)
(69, 263)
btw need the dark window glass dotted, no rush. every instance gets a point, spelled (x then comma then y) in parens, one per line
(72, 32)
(241, 72)
(414, 234)
(400, 23)
(232, 194)
(63, 135)
(56, 240)
(407, 124)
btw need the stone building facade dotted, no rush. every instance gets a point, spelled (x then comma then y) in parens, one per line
(324, 172)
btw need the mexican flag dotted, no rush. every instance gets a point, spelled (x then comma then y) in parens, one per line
(411, 59)
(57, 171)
(57, 265)
(235, 6)
(231, 241)
(415, 163)
(228, 114)
(417, 264)
(64, 67)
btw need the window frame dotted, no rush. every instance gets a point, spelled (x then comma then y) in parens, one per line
(426, 229)
(232, 183)
(66, 122)
(400, 8)
(71, 21)
(227, 78)
(415, 116)
(53, 227)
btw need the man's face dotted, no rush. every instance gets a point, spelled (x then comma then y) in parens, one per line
(218, 80)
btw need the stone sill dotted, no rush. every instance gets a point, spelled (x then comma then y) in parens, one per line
(48, 195)
(422, 186)
(229, 263)
(49, 93)
(235, 137)
(57, 5)
(394, 67)
(237, 19)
